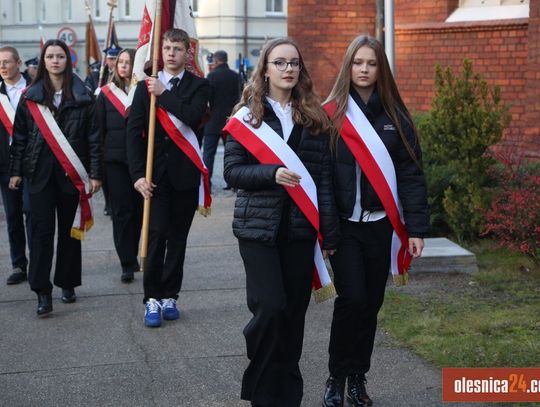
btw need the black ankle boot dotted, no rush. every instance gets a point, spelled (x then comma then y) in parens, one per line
(44, 303)
(68, 295)
(333, 394)
(356, 391)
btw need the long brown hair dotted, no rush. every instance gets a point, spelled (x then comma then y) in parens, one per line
(386, 88)
(43, 75)
(119, 82)
(306, 105)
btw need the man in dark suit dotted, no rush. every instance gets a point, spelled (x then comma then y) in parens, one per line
(175, 181)
(224, 94)
(16, 202)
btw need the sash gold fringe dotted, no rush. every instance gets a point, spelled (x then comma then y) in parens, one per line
(204, 211)
(78, 234)
(401, 279)
(324, 293)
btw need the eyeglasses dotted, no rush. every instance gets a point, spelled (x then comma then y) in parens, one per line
(281, 65)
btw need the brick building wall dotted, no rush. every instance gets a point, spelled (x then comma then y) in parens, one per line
(505, 52)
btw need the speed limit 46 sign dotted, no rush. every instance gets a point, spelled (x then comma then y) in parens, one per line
(68, 35)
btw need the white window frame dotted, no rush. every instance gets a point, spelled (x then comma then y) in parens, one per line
(97, 9)
(20, 10)
(127, 5)
(276, 13)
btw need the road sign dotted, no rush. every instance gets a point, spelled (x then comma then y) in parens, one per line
(74, 56)
(68, 35)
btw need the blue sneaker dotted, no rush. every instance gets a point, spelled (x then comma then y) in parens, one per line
(170, 312)
(152, 314)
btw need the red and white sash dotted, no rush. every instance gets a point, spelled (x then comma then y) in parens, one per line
(375, 161)
(118, 98)
(70, 162)
(7, 114)
(269, 148)
(186, 140)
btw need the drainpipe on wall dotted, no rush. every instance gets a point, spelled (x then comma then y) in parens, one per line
(379, 21)
(245, 28)
(389, 32)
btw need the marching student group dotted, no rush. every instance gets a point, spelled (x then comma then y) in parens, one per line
(340, 179)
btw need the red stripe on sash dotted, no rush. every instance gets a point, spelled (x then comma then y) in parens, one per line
(107, 91)
(86, 212)
(186, 147)
(4, 118)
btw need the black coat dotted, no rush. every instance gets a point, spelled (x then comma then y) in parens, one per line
(410, 176)
(188, 103)
(112, 128)
(224, 95)
(76, 118)
(4, 138)
(260, 201)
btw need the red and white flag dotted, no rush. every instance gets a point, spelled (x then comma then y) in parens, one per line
(174, 14)
(42, 39)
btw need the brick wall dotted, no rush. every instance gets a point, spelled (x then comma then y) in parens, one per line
(505, 52)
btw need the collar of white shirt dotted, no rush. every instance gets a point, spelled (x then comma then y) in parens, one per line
(165, 77)
(20, 85)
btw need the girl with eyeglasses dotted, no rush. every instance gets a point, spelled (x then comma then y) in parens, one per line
(378, 171)
(56, 146)
(275, 238)
(126, 203)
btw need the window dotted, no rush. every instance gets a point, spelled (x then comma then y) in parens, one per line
(274, 6)
(127, 8)
(68, 7)
(195, 6)
(97, 11)
(43, 11)
(481, 10)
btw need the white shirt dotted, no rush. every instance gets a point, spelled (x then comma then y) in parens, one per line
(367, 216)
(165, 77)
(14, 91)
(57, 98)
(285, 117)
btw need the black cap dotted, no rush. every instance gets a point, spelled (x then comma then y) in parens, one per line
(34, 62)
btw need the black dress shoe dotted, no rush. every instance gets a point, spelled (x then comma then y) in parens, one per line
(127, 276)
(356, 391)
(44, 303)
(68, 295)
(18, 276)
(333, 394)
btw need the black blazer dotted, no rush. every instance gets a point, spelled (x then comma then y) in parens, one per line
(4, 137)
(188, 103)
(224, 95)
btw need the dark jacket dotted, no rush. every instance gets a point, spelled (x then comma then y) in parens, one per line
(224, 95)
(410, 176)
(112, 130)
(4, 138)
(187, 102)
(260, 201)
(77, 120)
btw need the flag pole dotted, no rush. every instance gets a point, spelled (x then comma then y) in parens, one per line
(112, 5)
(151, 135)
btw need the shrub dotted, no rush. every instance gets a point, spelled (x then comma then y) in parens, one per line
(513, 217)
(466, 119)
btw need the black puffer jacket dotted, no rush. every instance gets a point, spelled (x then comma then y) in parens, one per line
(77, 120)
(112, 128)
(410, 176)
(260, 201)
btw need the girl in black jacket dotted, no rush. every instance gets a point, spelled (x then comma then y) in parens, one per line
(125, 201)
(56, 91)
(275, 238)
(365, 89)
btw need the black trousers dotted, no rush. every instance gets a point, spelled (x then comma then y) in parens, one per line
(171, 215)
(127, 207)
(211, 142)
(278, 284)
(361, 266)
(50, 202)
(17, 208)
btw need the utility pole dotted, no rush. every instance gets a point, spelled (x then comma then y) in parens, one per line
(389, 32)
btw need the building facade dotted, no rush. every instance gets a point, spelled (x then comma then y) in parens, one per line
(501, 37)
(236, 26)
